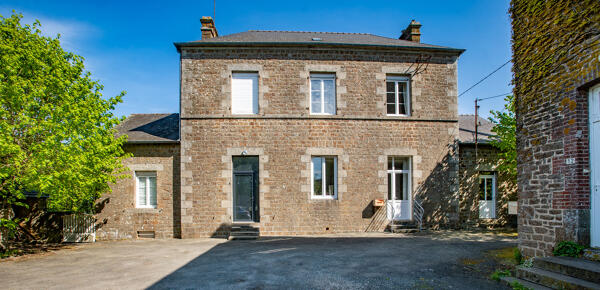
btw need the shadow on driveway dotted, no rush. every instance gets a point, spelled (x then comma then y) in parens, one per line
(429, 261)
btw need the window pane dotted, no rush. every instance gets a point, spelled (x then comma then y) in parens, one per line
(152, 190)
(482, 189)
(390, 164)
(315, 93)
(389, 186)
(488, 189)
(391, 98)
(402, 109)
(330, 178)
(391, 108)
(398, 163)
(329, 92)
(390, 87)
(399, 187)
(141, 191)
(317, 176)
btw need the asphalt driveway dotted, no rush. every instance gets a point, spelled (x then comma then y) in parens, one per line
(362, 261)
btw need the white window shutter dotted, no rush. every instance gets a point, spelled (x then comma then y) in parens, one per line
(244, 93)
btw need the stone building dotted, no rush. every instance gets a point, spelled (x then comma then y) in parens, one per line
(485, 191)
(557, 91)
(295, 133)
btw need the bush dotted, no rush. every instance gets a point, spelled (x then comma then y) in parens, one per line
(499, 274)
(568, 249)
(518, 257)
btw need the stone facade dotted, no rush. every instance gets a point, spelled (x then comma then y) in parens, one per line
(285, 136)
(118, 217)
(551, 90)
(506, 190)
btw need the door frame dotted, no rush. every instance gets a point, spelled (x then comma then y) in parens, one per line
(391, 204)
(594, 157)
(255, 191)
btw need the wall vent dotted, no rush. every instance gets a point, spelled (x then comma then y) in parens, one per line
(146, 234)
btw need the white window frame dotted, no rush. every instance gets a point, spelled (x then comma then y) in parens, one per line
(494, 192)
(407, 98)
(145, 175)
(323, 178)
(322, 77)
(393, 172)
(255, 106)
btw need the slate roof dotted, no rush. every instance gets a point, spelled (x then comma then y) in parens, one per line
(150, 128)
(466, 134)
(277, 38)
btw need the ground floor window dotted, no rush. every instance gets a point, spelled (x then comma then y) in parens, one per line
(398, 178)
(324, 177)
(145, 189)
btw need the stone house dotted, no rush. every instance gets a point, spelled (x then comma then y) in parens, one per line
(557, 91)
(485, 191)
(295, 133)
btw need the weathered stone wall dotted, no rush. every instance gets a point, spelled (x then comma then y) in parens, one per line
(118, 217)
(469, 168)
(551, 89)
(285, 136)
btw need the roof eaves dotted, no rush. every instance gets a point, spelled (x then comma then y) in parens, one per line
(180, 45)
(139, 142)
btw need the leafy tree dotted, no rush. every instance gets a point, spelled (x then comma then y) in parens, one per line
(56, 129)
(505, 128)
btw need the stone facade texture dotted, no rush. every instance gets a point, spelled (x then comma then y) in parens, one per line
(285, 136)
(469, 168)
(553, 139)
(118, 217)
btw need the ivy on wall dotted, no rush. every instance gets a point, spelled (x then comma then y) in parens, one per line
(555, 43)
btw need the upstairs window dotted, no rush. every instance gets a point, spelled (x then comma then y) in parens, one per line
(145, 189)
(397, 96)
(244, 93)
(322, 94)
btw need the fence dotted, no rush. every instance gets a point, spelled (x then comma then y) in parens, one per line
(79, 228)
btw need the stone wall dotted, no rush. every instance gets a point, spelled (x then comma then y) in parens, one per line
(284, 135)
(506, 189)
(551, 90)
(118, 217)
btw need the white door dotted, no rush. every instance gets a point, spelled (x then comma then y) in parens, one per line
(399, 205)
(487, 195)
(594, 105)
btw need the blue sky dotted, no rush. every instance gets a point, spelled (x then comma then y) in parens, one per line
(128, 45)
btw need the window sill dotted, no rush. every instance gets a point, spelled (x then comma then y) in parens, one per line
(323, 198)
(321, 114)
(145, 210)
(397, 115)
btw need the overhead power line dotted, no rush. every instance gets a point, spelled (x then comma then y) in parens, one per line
(483, 79)
(496, 96)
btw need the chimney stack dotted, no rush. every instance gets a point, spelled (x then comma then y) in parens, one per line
(412, 32)
(208, 28)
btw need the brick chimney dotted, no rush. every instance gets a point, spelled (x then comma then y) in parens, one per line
(208, 28)
(412, 32)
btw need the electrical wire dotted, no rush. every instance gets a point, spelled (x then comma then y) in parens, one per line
(496, 96)
(483, 79)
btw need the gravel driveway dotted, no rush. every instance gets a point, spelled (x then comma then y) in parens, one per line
(355, 261)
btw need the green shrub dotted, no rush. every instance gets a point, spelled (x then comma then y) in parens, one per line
(568, 249)
(518, 286)
(499, 274)
(518, 256)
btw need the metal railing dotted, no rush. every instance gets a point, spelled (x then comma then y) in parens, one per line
(418, 212)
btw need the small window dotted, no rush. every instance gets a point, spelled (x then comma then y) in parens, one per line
(322, 94)
(145, 189)
(324, 177)
(244, 93)
(397, 96)
(398, 178)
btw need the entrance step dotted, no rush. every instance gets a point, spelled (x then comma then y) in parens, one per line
(553, 279)
(510, 281)
(403, 227)
(592, 254)
(574, 267)
(244, 232)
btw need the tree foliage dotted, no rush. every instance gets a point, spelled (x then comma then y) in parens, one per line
(505, 129)
(56, 129)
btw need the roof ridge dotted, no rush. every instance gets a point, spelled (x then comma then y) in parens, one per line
(323, 32)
